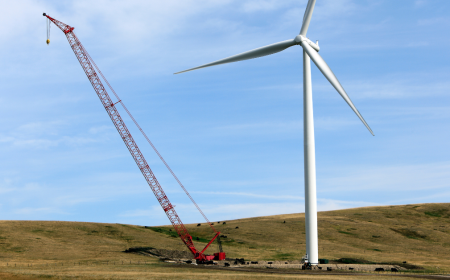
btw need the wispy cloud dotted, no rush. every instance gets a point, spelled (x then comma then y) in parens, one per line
(253, 6)
(44, 135)
(399, 88)
(258, 128)
(4, 190)
(255, 195)
(36, 212)
(333, 124)
(230, 211)
(393, 86)
(392, 178)
(420, 3)
(441, 21)
(137, 213)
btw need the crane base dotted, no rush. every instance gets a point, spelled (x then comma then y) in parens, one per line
(205, 259)
(219, 256)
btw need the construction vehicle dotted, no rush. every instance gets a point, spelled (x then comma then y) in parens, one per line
(88, 66)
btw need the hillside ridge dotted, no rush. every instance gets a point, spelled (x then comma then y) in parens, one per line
(416, 233)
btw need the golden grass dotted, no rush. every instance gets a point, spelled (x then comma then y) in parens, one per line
(418, 234)
(159, 272)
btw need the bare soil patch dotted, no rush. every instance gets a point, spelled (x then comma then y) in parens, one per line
(160, 253)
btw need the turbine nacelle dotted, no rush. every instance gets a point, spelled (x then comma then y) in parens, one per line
(299, 39)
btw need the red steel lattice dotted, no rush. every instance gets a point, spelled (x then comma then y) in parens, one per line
(85, 61)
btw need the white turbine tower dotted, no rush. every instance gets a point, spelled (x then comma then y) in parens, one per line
(310, 50)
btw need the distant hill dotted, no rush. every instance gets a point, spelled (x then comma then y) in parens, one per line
(418, 234)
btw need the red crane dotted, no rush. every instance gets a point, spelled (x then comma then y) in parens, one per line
(110, 107)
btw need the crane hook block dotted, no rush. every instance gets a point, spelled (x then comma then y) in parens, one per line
(48, 41)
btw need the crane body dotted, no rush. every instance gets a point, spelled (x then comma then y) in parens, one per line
(110, 107)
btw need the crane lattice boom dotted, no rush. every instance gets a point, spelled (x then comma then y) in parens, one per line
(110, 107)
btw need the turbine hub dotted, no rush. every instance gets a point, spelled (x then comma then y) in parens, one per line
(299, 39)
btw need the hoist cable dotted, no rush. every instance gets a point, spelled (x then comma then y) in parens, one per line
(48, 31)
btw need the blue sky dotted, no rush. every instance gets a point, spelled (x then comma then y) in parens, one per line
(232, 133)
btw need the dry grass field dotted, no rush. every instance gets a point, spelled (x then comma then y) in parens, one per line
(418, 234)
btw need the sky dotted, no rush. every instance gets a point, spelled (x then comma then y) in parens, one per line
(232, 133)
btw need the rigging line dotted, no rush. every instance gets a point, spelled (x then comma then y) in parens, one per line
(48, 28)
(151, 144)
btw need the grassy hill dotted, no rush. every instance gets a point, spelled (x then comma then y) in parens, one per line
(418, 234)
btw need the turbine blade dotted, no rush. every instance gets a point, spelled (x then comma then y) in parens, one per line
(263, 51)
(307, 17)
(326, 71)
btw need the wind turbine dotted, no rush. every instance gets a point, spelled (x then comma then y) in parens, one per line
(310, 51)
